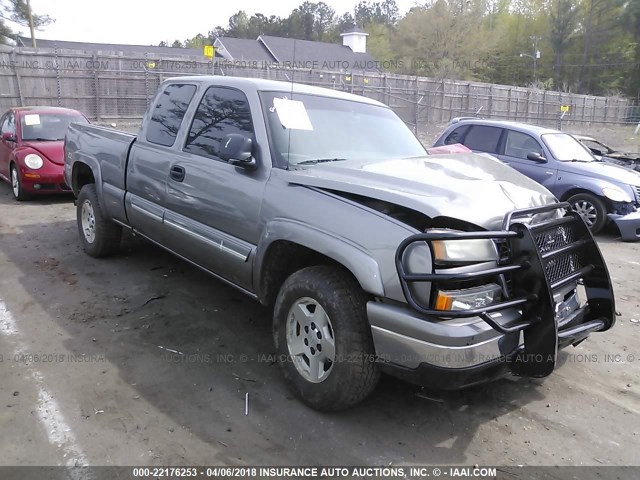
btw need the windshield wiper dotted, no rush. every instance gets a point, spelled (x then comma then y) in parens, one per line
(580, 161)
(320, 160)
(41, 139)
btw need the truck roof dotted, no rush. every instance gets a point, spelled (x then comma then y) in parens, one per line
(261, 84)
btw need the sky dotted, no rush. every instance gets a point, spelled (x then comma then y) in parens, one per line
(146, 22)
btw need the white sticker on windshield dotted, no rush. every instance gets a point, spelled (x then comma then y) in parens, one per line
(292, 114)
(32, 119)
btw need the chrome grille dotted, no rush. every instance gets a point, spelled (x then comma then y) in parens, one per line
(637, 190)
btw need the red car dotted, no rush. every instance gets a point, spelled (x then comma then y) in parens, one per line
(31, 149)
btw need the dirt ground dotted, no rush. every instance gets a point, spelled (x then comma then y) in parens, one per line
(141, 359)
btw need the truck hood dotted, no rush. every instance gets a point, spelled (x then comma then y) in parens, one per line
(476, 188)
(603, 171)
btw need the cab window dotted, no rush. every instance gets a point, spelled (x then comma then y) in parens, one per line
(168, 113)
(222, 111)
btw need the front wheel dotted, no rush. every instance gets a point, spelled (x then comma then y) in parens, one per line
(592, 210)
(16, 185)
(323, 338)
(99, 236)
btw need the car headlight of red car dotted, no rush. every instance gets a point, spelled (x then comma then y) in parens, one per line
(33, 161)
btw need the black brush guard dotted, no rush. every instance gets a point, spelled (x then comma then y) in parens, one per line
(535, 262)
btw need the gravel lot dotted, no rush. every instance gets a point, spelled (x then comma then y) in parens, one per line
(89, 373)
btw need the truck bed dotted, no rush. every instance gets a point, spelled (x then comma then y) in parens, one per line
(105, 151)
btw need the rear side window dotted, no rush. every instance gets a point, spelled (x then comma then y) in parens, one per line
(456, 136)
(483, 138)
(168, 113)
(221, 111)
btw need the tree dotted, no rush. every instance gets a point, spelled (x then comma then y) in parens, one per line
(591, 46)
(563, 21)
(19, 12)
(631, 14)
(197, 42)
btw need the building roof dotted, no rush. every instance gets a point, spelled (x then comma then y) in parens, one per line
(107, 47)
(287, 52)
(327, 56)
(244, 49)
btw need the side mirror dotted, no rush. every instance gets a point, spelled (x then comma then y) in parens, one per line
(536, 157)
(236, 149)
(9, 137)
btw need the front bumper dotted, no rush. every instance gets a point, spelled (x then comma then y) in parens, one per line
(45, 180)
(629, 225)
(539, 267)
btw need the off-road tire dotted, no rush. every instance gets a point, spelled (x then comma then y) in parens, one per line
(354, 374)
(107, 233)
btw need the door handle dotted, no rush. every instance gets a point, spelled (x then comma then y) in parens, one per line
(177, 173)
(548, 173)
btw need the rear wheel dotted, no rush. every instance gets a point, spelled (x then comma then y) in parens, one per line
(592, 210)
(16, 185)
(323, 338)
(99, 236)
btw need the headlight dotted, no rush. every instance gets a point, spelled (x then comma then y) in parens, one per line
(464, 251)
(33, 161)
(468, 298)
(616, 194)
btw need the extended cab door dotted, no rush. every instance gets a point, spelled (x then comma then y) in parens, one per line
(213, 208)
(150, 158)
(517, 146)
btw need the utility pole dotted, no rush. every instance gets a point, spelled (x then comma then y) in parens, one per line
(536, 56)
(31, 26)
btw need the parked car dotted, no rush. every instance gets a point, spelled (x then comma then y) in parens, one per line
(597, 191)
(31, 149)
(607, 154)
(448, 270)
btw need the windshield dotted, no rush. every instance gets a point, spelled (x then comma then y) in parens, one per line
(48, 126)
(309, 129)
(566, 148)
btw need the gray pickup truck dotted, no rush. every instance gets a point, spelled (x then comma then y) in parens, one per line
(447, 270)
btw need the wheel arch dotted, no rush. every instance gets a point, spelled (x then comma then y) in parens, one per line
(82, 173)
(577, 190)
(288, 246)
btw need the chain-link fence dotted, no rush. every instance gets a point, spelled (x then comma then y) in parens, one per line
(118, 87)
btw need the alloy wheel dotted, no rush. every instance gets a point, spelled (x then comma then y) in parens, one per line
(310, 340)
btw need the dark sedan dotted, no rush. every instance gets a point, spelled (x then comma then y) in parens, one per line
(598, 191)
(31, 149)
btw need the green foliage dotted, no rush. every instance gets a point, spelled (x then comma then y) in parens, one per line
(586, 46)
(17, 11)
